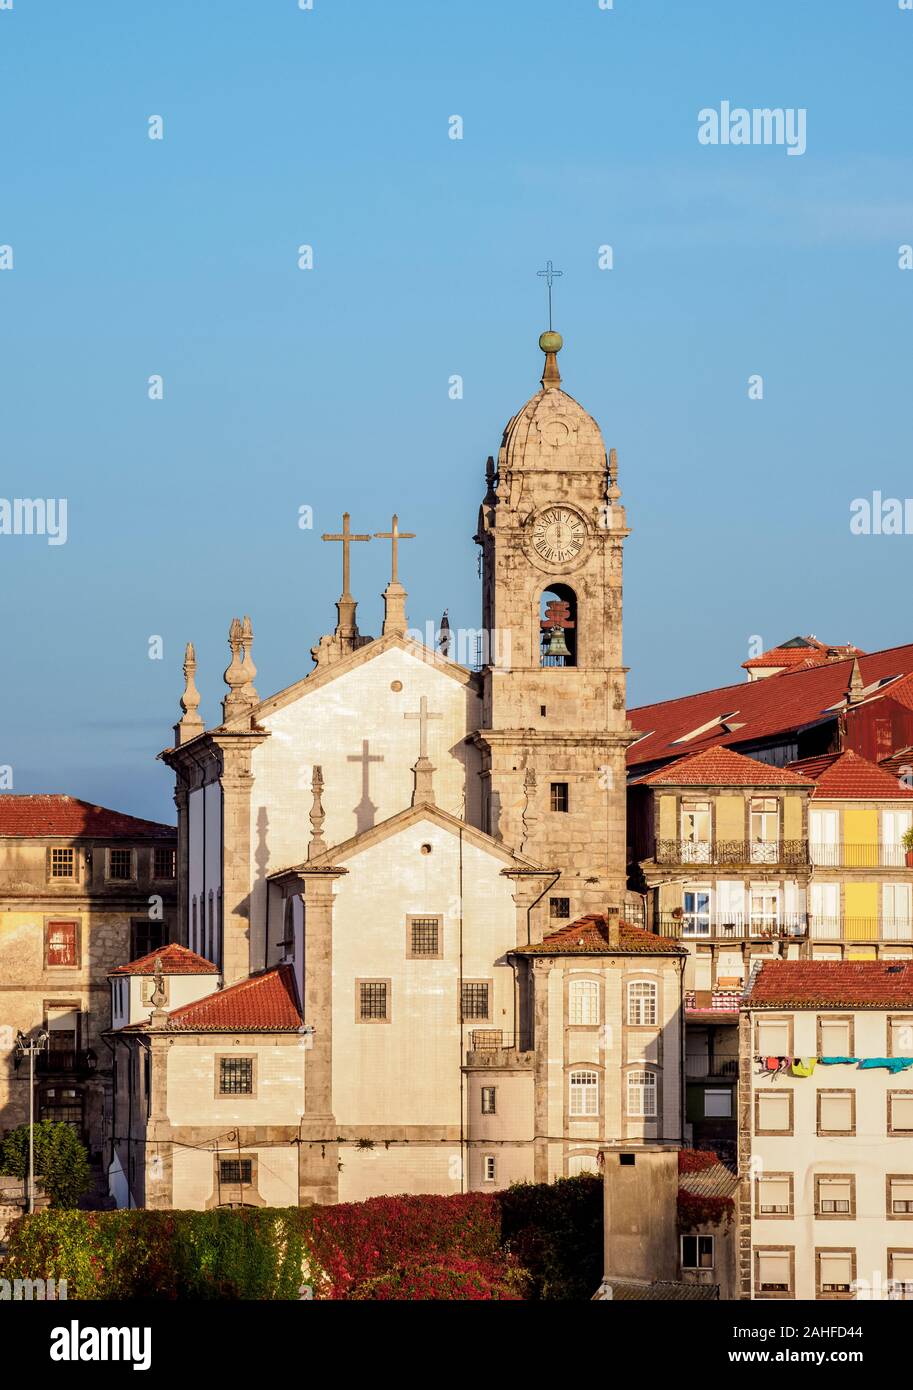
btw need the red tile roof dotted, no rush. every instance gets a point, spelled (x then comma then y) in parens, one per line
(266, 1003)
(761, 709)
(176, 960)
(900, 764)
(806, 651)
(831, 984)
(67, 817)
(722, 767)
(850, 777)
(593, 935)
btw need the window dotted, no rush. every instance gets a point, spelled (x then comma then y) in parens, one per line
(695, 844)
(581, 1163)
(774, 1270)
(559, 909)
(697, 1252)
(900, 1195)
(145, 937)
(774, 1195)
(765, 909)
(583, 1003)
(374, 1001)
(559, 797)
(894, 825)
(900, 1273)
(61, 944)
(773, 1112)
(900, 1037)
(836, 1112)
(835, 1037)
(120, 864)
(63, 863)
(583, 1093)
(773, 1037)
(424, 937)
(474, 1001)
(236, 1170)
(897, 911)
(489, 1099)
(765, 829)
(836, 1271)
(489, 1168)
(696, 912)
(641, 1095)
(718, 1104)
(236, 1076)
(825, 911)
(162, 862)
(900, 1112)
(642, 1007)
(835, 1195)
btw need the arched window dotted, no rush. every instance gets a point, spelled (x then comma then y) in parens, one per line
(583, 1097)
(583, 1002)
(642, 1007)
(641, 1095)
(581, 1163)
(558, 626)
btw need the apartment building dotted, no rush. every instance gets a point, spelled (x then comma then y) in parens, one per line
(826, 1130)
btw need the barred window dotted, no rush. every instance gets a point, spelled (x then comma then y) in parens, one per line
(559, 797)
(642, 1002)
(474, 1001)
(120, 864)
(559, 909)
(63, 863)
(163, 862)
(236, 1170)
(489, 1096)
(584, 1093)
(236, 1076)
(425, 936)
(642, 1095)
(373, 1000)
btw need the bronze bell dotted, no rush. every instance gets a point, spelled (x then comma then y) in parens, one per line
(556, 643)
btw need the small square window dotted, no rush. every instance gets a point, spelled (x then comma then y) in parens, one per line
(900, 1196)
(718, 1104)
(836, 1112)
(489, 1098)
(374, 1001)
(900, 1112)
(489, 1168)
(236, 1170)
(236, 1076)
(475, 1001)
(425, 937)
(120, 865)
(559, 797)
(162, 862)
(63, 863)
(697, 1252)
(62, 944)
(559, 909)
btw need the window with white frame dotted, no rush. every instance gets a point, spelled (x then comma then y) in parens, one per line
(823, 837)
(717, 1103)
(695, 844)
(697, 1252)
(773, 1112)
(765, 829)
(581, 1163)
(583, 1002)
(765, 908)
(825, 911)
(897, 911)
(835, 1196)
(583, 1093)
(775, 1195)
(696, 908)
(836, 1112)
(489, 1100)
(835, 1271)
(62, 863)
(489, 1168)
(773, 1271)
(642, 1003)
(773, 1037)
(894, 825)
(641, 1095)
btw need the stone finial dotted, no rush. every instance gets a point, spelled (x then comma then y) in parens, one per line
(530, 816)
(248, 689)
(856, 688)
(233, 675)
(159, 1016)
(190, 723)
(423, 791)
(444, 637)
(317, 843)
(551, 344)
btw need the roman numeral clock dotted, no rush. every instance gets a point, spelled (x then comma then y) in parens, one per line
(558, 536)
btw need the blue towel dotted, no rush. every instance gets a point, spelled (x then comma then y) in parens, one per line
(893, 1064)
(835, 1061)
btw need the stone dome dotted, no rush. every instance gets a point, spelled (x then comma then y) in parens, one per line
(552, 431)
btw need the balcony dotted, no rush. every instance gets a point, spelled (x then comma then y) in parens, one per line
(860, 856)
(711, 1068)
(860, 929)
(708, 1002)
(703, 927)
(68, 1061)
(776, 853)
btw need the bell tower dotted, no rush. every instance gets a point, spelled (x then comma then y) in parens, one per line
(552, 528)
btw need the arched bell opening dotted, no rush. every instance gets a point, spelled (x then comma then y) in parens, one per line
(558, 626)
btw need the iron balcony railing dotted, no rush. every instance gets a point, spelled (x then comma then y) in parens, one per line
(821, 928)
(723, 1001)
(496, 1040)
(860, 856)
(57, 1061)
(707, 1068)
(733, 927)
(777, 852)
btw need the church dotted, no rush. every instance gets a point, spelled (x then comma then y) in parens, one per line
(404, 962)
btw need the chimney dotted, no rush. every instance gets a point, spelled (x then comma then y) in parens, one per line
(613, 924)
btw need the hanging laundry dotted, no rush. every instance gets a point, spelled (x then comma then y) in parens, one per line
(893, 1064)
(804, 1066)
(772, 1064)
(838, 1061)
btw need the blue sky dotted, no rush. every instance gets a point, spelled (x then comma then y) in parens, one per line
(329, 388)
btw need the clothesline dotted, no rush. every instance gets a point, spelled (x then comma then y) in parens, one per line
(804, 1066)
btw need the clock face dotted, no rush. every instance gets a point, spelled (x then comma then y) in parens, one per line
(558, 535)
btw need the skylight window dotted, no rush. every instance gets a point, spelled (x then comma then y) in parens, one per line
(705, 728)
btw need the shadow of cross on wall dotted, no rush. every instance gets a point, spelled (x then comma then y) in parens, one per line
(365, 810)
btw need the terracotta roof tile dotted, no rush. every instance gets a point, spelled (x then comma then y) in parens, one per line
(266, 1003)
(807, 651)
(722, 767)
(831, 984)
(176, 960)
(850, 777)
(592, 935)
(67, 817)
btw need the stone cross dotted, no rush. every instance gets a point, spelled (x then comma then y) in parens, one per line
(346, 536)
(423, 714)
(395, 535)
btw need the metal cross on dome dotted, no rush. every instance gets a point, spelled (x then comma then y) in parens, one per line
(549, 274)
